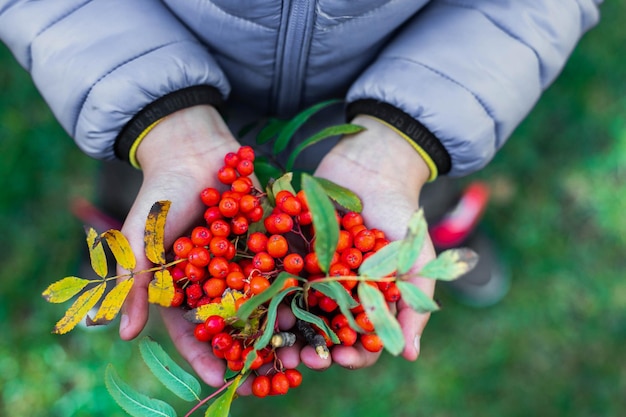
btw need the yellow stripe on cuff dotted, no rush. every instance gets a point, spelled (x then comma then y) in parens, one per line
(132, 154)
(429, 161)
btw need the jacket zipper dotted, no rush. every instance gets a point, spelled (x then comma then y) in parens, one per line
(294, 41)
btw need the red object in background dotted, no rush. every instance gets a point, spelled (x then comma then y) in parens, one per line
(460, 222)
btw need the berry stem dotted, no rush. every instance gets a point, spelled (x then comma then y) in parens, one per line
(209, 398)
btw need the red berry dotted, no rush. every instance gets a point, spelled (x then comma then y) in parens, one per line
(210, 196)
(294, 377)
(234, 352)
(195, 273)
(392, 294)
(256, 362)
(255, 215)
(194, 292)
(201, 236)
(239, 225)
(240, 185)
(257, 242)
(347, 335)
(258, 284)
(221, 342)
(280, 384)
(231, 159)
(371, 342)
(364, 240)
(215, 324)
(264, 262)
(199, 256)
(226, 175)
(327, 304)
(229, 207)
(351, 219)
(261, 386)
(235, 280)
(218, 267)
(220, 228)
(179, 297)
(293, 263)
(339, 321)
(219, 246)
(201, 333)
(352, 258)
(311, 263)
(364, 322)
(182, 246)
(212, 214)
(214, 287)
(246, 152)
(277, 246)
(248, 203)
(245, 167)
(345, 241)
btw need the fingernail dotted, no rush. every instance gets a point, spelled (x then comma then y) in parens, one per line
(124, 322)
(416, 343)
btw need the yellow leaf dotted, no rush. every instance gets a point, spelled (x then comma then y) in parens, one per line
(96, 253)
(120, 248)
(79, 309)
(225, 308)
(64, 289)
(112, 303)
(161, 288)
(155, 232)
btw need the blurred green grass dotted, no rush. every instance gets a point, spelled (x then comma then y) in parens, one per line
(553, 347)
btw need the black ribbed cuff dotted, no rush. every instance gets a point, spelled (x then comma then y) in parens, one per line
(168, 104)
(407, 125)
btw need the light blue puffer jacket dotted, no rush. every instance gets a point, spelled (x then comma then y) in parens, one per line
(467, 71)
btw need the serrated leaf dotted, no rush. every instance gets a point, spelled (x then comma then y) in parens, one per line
(450, 264)
(272, 313)
(64, 289)
(383, 262)
(221, 406)
(154, 233)
(96, 253)
(226, 308)
(329, 132)
(287, 132)
(120, 248)
(309, 317)
(270, 130)
(254, 302)
(341, 195)
(283, 183)
(385, 324)
(413, 242)
(175, 378)
(161, 288)
(79, 309)
(324, 220)
(416, 298)
(112, 302)
(133, 402)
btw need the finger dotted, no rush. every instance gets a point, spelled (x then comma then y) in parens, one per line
(312, 360)
(199, 355)
(412, 322)
(354, 357)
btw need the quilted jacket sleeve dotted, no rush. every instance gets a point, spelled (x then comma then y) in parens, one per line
(469, 72)
(98, 63)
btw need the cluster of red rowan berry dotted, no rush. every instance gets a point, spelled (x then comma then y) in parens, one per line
(224, 255)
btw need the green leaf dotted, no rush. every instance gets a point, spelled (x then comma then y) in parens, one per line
(329, 132)
(383, 262)
(175, 378)
(265, 171)
(345, 301)
(412, 243)
(450, 264)
(283, 183)
(287, 132)
(272, 313)
(221, 406)
(270, 130)
(385, 324)
(341, 195)
(324, 220)
(416, 298)
(309, 317)
(133, 402)
(251, 305)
